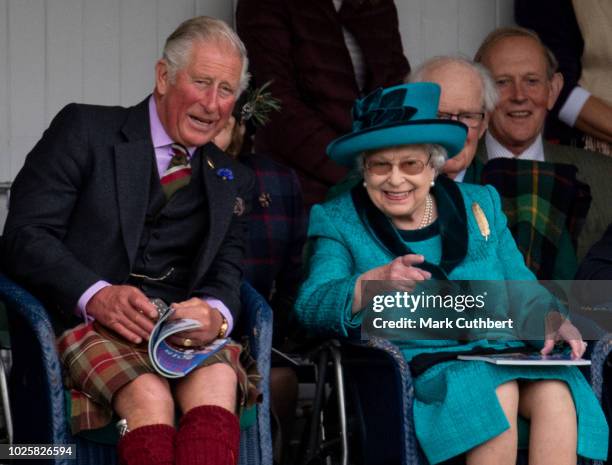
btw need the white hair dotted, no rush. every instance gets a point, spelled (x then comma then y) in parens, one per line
(488, 87)
(178, 47)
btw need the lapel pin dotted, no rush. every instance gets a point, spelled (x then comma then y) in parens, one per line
(239, 206)
(265, 199)
(481, 220)
(210, 163)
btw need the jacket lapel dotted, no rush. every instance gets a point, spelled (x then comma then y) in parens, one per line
(550, 156)
(453, 223)
(133, 170)
(221, 196)
(481, 152)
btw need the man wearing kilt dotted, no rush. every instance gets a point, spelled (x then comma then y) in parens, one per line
(115, 206)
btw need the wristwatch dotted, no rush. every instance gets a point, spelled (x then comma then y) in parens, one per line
(222, 329)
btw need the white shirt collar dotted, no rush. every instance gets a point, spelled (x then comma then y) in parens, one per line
(534, 152)
(460, 176)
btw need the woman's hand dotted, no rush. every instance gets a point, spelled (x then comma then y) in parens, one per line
(199, 310)
(230, 138)
(224, 137)
(399, 274)
(559, 328)
(400, 269)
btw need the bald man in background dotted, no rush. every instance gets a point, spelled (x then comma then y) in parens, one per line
(468, 95)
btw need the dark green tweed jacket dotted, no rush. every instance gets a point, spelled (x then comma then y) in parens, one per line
(595, 170)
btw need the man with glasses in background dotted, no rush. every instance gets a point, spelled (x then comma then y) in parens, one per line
(468, 95)
(512, 157)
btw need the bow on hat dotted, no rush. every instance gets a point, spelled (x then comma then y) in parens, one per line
(400, 115)
(377, 110)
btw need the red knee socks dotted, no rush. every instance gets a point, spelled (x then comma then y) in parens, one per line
(148, 445)
(208, 435)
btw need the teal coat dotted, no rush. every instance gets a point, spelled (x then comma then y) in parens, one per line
(349, 236)
(345, 246)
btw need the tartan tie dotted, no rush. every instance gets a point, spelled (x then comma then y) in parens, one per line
(178, 173)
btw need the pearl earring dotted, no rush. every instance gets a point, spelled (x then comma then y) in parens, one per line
(365, 184)
(433, 183)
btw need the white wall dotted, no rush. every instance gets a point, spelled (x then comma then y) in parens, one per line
(53, 52)
(440, 27)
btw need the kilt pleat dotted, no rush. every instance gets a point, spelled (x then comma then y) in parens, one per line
(97, 363)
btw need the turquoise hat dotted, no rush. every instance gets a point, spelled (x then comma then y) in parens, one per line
(399, 115)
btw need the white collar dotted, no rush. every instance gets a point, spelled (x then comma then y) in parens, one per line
(496, 150)
(460, 176)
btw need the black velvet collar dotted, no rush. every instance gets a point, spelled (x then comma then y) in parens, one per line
(452, 222)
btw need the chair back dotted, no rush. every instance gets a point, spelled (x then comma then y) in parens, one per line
(37, 393)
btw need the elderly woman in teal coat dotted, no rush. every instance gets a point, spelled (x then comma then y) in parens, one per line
(405, 224)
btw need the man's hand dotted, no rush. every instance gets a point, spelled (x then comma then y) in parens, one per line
(197, 309)
(125, 310)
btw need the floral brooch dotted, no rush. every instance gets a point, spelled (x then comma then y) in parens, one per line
(265, 199)
(226, 174)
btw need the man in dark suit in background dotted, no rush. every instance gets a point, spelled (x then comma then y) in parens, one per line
(115, 206)
(320, 57)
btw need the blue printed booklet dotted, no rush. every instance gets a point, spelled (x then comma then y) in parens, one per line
(527, 359)
(168, 360)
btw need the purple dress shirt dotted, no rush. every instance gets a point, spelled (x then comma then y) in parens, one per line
(161, 144)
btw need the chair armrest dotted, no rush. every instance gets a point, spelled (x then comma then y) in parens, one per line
(18, 300)
(411, 448)
(257, 316)
(33, 339)
(599, 357)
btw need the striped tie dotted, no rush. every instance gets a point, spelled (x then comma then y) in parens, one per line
(178, 173)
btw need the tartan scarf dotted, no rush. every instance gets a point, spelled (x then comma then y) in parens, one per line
(546, 208)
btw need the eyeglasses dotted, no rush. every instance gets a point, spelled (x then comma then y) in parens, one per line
(409, 167)
(470, 119)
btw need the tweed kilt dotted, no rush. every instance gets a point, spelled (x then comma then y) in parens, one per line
(97, 364)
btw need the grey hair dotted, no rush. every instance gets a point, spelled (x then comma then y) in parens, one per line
(490, 94)
(516, 31)
(178, 47)
(438, 156)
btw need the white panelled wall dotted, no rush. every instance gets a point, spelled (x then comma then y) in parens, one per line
(53, 52)
(440, 27)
